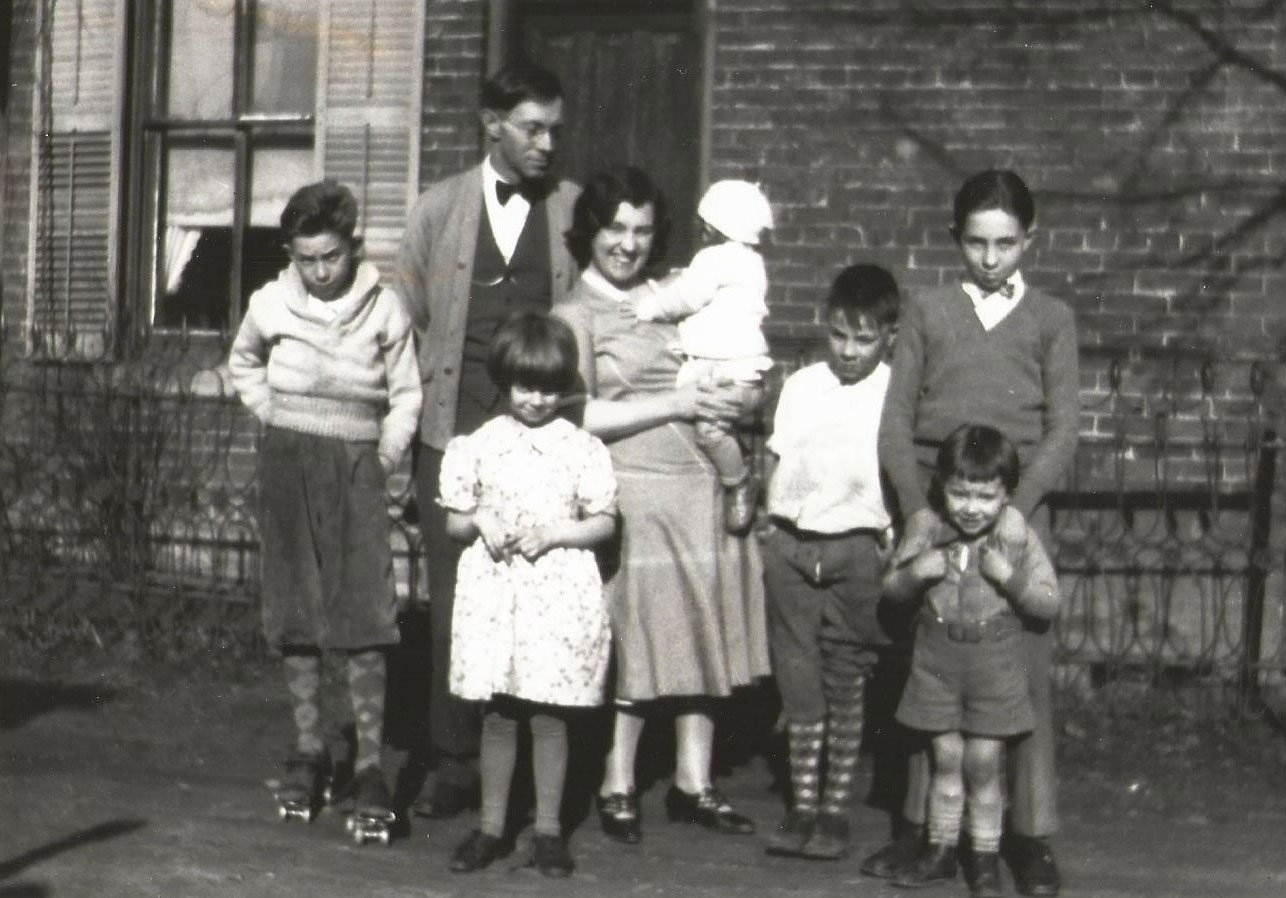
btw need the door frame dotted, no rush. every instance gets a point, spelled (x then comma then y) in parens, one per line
(502, 14)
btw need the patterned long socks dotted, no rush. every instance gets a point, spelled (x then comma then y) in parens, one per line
(303, 682)
(843, 742)
(805, 743)
(367, 673)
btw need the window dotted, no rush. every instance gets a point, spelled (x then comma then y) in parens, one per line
(228, 136)
(168, 135)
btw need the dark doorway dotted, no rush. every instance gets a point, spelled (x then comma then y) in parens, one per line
(632, 74)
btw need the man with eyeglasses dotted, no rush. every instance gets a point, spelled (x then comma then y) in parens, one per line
(479, 245)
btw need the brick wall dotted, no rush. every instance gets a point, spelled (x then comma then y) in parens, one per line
(1154, 136)
(454, 64)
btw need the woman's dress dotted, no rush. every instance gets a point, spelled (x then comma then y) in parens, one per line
(686, 598)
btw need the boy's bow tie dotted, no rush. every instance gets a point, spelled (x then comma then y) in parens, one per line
(1006, 290)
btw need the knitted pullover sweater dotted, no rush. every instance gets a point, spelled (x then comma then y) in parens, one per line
(352, 376)
(1021, 377)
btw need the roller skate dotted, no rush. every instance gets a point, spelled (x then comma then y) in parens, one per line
(300, 792)
(372, 817)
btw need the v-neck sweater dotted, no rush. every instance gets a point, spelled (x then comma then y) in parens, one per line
(1021, 377)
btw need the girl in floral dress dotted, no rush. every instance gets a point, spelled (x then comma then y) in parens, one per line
(532, 494)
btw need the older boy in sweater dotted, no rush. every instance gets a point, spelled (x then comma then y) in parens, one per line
(988, 349)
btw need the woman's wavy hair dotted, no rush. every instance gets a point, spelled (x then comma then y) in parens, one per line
(596, 207)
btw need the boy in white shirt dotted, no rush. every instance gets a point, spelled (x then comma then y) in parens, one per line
(720, 303)
(824, 555)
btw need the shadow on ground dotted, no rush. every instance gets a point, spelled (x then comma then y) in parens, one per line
(21, 700)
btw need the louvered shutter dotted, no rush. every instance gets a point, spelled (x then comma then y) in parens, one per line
(76, 146)
(368, 112)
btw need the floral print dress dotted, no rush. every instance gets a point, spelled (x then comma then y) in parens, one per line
(533, 630)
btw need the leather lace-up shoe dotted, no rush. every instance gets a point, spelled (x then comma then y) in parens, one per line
(476, 852)
(792, 833)
(1031, 861)
(551, 857)
(908, 839)
(935, 863)
(829, 841)
(983, 875)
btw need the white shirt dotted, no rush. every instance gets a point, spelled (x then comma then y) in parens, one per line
(825, 437)
(507, 220)
(992, 308)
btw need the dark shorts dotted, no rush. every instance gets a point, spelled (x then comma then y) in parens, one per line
(324, 535)
(822, 593)
(958, 684)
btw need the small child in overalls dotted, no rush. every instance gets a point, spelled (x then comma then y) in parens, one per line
(968, 689)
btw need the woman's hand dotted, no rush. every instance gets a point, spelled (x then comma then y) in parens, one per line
(726, 401)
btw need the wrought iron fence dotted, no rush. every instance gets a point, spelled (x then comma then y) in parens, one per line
(128, 505)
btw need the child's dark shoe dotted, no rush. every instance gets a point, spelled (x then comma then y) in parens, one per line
(739, 506)
(935, 863)
(908, 839)
(983, 874)
(829, 840)
(551, 857)
(1031, 861)
(476, 852)
(791, 834)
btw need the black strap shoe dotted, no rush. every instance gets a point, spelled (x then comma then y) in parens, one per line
(709, 809)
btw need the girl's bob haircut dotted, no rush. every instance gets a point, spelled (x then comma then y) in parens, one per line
(977, 453)
(533, 350)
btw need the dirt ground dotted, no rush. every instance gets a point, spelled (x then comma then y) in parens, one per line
(149, 780)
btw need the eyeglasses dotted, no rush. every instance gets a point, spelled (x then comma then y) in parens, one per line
(533, 131)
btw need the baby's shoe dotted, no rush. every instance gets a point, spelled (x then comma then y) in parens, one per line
(739, 503)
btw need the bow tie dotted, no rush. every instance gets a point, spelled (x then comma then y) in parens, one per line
(1006, 290)
(528, 189)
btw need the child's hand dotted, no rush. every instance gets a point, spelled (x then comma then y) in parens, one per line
(498, 540)
(995, 564)
(917, 535)
(930, 566)
(534, 542)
